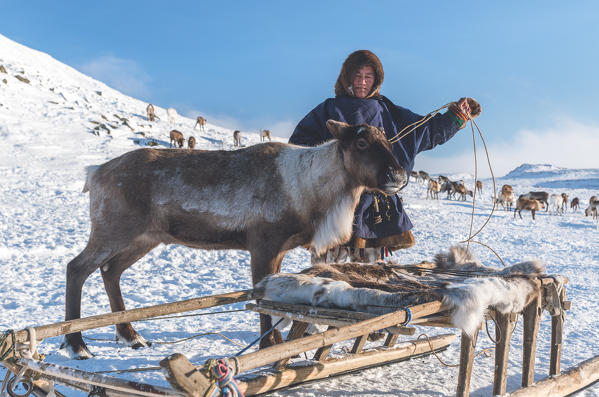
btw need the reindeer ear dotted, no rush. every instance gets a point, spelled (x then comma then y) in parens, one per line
(336, 128)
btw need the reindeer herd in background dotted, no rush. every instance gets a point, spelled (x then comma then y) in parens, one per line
(176, 138)
(531, 201)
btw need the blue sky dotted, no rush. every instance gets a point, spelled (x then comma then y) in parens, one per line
(264, 64)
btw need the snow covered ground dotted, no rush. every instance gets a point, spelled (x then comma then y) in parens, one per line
(46, 140)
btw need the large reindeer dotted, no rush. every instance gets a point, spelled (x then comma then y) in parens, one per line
(191, 197)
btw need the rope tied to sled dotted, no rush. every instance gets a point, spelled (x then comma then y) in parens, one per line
(3, 338)
(223, 382)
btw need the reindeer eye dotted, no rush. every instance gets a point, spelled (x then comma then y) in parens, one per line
(362, 144)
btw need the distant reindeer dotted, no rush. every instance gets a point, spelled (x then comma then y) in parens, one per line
(149, 197)
(191, 142)
(264, 135)
(201, 122)
(424, 176)
(237, 138)
(506, 197)
(557, 203)
(524, 203)
(541, 196)
(172, 115)
(462, 191)
(479, 187)
(414, 175)
(150, 112)
(447, 187)
(592, 208)
(574, 204)
(442, 179)
(565, 202)
(433, 189)
(177, 138)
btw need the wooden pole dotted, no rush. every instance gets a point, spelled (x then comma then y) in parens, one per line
(504, 325)
(297, 331)
(299, 374)
(564, 384)
(531, 318)
(359, 344)
(102, 320)
(86, 380)
(466, 361)
(557, 326)
(290, 349)
(323, 352)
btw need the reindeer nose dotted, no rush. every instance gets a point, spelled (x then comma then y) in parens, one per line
(397, 175)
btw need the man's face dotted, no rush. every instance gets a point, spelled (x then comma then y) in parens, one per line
(363, 81)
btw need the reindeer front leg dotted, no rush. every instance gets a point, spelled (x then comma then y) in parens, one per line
(266, 261)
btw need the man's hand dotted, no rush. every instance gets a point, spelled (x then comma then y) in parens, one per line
(469, 107)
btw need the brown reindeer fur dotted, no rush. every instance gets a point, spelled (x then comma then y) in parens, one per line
(223, 200)
(524, 203)
(177, 138)
(191, 142)
(574, 204)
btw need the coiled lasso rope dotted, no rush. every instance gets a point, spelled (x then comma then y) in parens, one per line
(411, 127)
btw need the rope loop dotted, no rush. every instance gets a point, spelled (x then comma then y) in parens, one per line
(408, 317)
(14, 382)
(223, 382)
(3, 338)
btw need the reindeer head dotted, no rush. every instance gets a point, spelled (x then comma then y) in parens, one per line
(367, 156)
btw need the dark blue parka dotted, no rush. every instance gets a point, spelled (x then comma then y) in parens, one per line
(383, 114)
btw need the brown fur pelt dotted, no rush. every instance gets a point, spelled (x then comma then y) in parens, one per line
(380, 288)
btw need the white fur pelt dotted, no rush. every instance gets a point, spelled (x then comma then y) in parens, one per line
(506, 290)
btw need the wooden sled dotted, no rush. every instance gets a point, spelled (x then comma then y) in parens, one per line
(277, 372)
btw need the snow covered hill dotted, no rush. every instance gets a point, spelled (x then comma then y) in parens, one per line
(47, 137)
(51, 109)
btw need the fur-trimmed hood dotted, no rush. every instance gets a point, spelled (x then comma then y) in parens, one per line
(354, 61)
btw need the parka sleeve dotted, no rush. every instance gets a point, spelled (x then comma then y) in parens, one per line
(312, 129)
(438, 130)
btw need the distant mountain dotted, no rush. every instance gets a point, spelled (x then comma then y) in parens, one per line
(552, 177)
(535, 171)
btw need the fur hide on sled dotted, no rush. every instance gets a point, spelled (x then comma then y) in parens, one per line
(382, 288)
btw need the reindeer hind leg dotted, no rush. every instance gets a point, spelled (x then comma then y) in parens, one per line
(111, 275)
(78, 270)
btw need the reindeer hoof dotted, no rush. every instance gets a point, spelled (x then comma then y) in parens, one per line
(79, 352)
(140, 345)
(136, 342)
